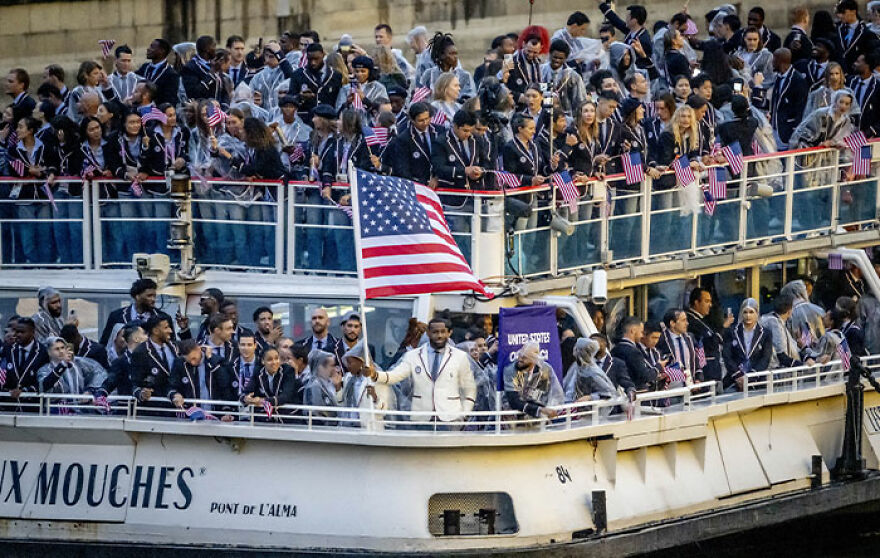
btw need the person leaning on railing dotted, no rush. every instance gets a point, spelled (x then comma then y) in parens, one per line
(66, 373)
(531, 385)
(275, 384)
(200, 374)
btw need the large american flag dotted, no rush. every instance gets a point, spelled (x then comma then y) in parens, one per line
(406, 246)
(683, 172)
(734, 155)
(562, 180)
(632, 167)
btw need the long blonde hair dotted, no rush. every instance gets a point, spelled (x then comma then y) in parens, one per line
(337, 62)
(442, 84)
(687, 141)
(385, 60)
(591, 131)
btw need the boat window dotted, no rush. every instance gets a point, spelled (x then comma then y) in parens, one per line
(471, 514)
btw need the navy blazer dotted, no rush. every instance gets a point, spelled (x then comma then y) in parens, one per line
(166, 79)
(449, 161)
(737, 360)
(786, 105)
(409, 158)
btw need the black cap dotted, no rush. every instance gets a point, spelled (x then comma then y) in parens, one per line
(629, 106)
(289, 100)
(362, 62)
(325, 111)
(396, 91)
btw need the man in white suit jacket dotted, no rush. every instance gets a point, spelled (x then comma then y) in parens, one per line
(441, 376)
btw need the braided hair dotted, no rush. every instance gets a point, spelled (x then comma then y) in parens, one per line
(438, 45)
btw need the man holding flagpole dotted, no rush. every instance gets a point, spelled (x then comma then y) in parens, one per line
(404, 246)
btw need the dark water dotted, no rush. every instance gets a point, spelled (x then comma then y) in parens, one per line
(848, 535)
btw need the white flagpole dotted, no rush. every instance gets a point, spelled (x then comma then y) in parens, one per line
(356, 221)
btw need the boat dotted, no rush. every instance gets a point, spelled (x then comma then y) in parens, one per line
(690, 463)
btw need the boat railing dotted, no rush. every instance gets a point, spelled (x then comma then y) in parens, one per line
(569, 416)
(291, 228)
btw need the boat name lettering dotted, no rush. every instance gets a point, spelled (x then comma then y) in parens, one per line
(74, 484)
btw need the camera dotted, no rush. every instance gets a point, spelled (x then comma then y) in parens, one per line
(152, 266)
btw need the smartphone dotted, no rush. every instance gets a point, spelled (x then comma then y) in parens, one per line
(730, 311)
(508, 58)
(738, 87)
(276, 323)
(72, 313)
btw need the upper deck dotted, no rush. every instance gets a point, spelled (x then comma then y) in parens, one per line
(794, 202)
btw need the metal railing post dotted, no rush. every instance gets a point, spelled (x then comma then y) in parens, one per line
(789, 196)
(279, 228)
(291, 230)
(834, 219)
(97, 236)
(86, 225)
(743, 208)
(647, 188)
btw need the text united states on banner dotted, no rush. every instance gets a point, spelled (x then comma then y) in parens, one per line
(406, 246)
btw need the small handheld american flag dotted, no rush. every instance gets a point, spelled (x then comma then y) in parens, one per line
(718, 183)
(2, 375)
(357, 102)
(756, 147)
(835, 261)
(18, 166)
(215, 115)
(345, 209)
(268, 408)
(106, 46)
(734, 155)
(421, 94)
(708, 202)
(632, 167)
(861, 165)
(136, 189)
(505, 178)
(806, 337)
(195, 413)
(152, 113)
(701, 354)
(674, 372)
(439, 118)
(375, 136)
(562, 180)
(683, 172)
(303, 60)
(101, 401)
(297, 154)
(89, 171)
(844, 353)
